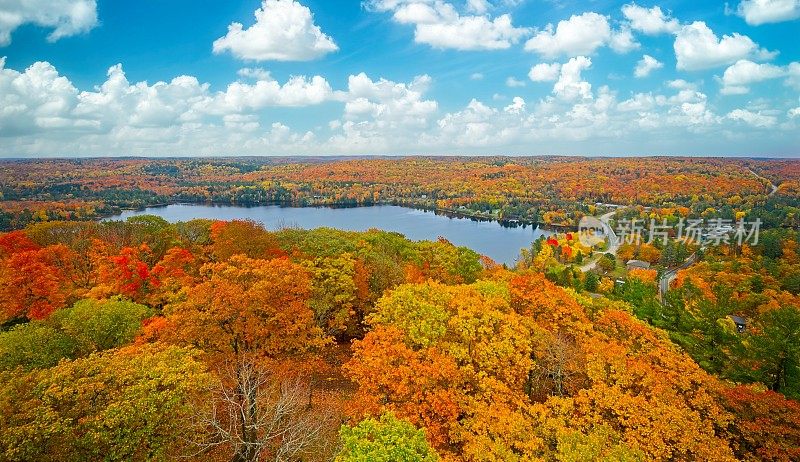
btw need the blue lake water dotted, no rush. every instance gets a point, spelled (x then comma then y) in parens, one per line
(500, 243)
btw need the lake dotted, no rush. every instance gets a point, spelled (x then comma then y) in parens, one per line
(488, 238)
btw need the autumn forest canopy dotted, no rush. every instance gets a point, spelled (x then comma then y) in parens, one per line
(226, 340)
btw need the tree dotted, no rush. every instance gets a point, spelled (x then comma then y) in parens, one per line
(33, 283)
(386, 440)
(423, 386)
(247, 313)
(102, 324)
(246, 306)
(335, 297)
(128, 274)
(130, 404)
(242, 237)
(607, 262)
(35, 345)
(591, 282)
(256, 416)
(766, 425)
(776, 349)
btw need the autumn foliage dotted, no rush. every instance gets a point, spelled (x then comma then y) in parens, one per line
(146, 340)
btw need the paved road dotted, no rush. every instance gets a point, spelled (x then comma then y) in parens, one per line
(774, 188)
(669, 275)
(613, 241)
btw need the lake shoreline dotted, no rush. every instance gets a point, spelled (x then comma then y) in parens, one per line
(495, 239)
(450, 213)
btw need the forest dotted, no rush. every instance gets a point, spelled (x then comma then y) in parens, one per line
(221, 340)
(538, 190)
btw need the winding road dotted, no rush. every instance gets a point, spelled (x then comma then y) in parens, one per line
(613, 241)
(774, 188)
(668, 276)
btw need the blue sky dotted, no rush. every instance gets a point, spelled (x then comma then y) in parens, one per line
(313, 77)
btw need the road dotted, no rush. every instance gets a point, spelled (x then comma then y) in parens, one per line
(613, 241)
(669, 275)
(774, 188)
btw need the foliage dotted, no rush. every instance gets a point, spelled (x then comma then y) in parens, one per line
(388, 439)
(119, 405)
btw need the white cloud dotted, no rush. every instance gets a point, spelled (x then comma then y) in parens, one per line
(511, 82)
(622, 41)
(438, 24)
(680, 84)
(476, 76)
(254, 73)
(793, 75)
(697, 47)
(517, 106)
(579, 35)
(242, 97)
(387, 101)
(36, 99)
(757, 12)
(738, 76)
(570, 85)
(755, 119)
(646, 65)
(650, 21)
(478, 6)
(65, 17)
(39, 99)
(544, 72)
(284, 31)
(43, 113)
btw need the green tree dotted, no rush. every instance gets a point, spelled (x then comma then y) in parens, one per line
(102, 324)
(777, 350)
(591, 281)
(386, 440)
(35, 345)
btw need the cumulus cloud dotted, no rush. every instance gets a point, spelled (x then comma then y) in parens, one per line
(439, 24)
(757, 12)
(580, 35)
(755, 119)
(40, 99)
(650, 21)
(65, 17)
(476, 76)
(43, 113)
(544, 72)
(388, 101)
(646, 65)
(738, 77)
(284, 31)
(517, 106)
(697, 47)
(297, 91)
(570, 84)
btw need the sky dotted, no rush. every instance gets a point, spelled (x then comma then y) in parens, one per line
(399, 77)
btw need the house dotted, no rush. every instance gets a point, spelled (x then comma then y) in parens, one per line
(637, 264)
(741, 323)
